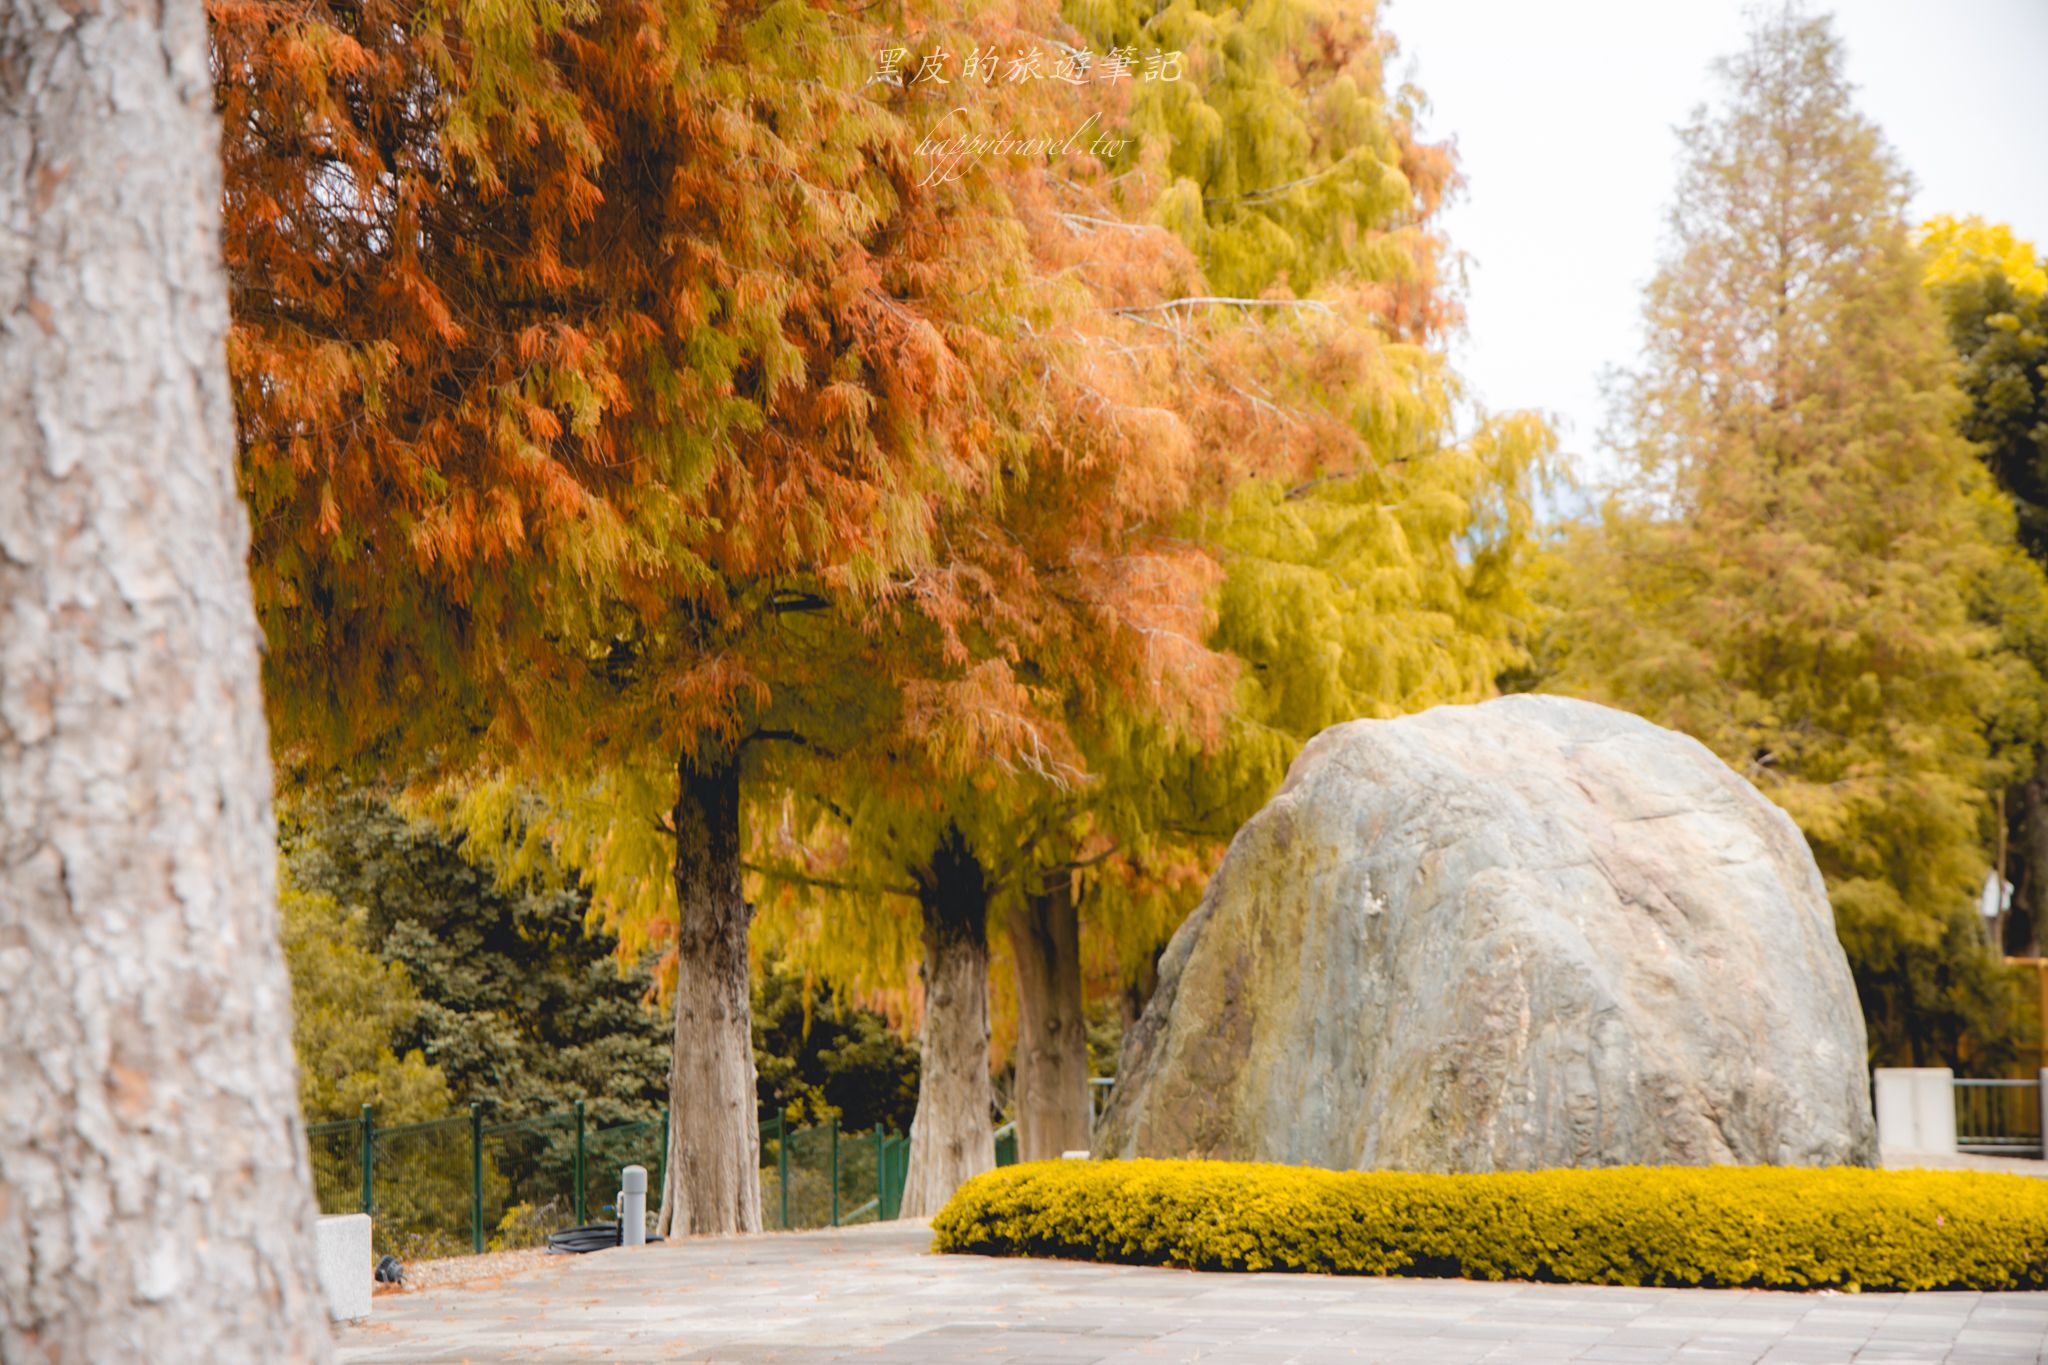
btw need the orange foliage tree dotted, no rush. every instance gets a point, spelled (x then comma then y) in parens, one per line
(1261, 268)
(607, 374)
(1087, 606)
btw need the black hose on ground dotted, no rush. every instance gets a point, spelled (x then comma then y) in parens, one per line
(589, 1237)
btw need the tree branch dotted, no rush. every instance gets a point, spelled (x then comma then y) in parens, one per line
(1271, 191)
(788, 737)
(1201, 300)
(1083, 864)
(1086, 220)
(825, 883)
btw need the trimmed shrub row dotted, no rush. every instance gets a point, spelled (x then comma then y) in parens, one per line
(1726, 1226)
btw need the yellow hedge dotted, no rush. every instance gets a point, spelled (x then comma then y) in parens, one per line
(1754, 1226)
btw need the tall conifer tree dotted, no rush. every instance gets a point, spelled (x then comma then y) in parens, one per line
(1793, 576)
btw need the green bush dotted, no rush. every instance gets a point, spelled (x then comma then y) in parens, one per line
(1725, 1226)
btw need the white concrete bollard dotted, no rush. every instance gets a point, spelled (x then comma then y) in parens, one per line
(1934, 1100)
(633, 1206)
(1894, 1106)
(342, 1245)
(1916, 1109)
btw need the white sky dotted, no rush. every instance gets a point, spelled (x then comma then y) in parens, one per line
(1563, 111)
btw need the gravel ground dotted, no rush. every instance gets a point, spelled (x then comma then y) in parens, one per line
(478, 1271)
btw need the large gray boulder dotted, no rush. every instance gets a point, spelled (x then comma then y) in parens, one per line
(1532, 932)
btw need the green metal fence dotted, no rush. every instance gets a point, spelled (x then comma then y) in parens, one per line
(459, 1184)
(821, 1177)
(1999, 1117)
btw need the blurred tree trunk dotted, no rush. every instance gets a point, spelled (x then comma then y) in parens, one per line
(712, 1182)
(155, 1196)
(1052, 1030)
(951, 1137)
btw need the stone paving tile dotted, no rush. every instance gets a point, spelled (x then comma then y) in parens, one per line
(874, 1294)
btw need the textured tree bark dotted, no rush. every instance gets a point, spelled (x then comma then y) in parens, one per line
(713, 1179)
(155, 1195)
(1052, 1030)
(951, 1138)
(2033, 853)
(1138, 992)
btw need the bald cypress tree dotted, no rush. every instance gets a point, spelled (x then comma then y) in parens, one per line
(604, 375)
(1367, 553)
(1371, 551)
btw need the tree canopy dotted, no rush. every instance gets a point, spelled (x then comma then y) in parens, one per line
(613, 382)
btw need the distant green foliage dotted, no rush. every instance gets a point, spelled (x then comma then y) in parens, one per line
(420, 983)
(1990, 285)
(521, 1005)
(510, 996)
(347, 1007)
(815, 1056)
(1994, 290)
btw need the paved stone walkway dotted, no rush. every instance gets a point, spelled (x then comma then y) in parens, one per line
(876, 1294)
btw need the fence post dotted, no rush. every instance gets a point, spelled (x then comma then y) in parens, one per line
(832, 1131)
(881, 1174)
(579, 1164)
(476, 1175)
(782, 1161)
(2041, 1095)
(369, 1157)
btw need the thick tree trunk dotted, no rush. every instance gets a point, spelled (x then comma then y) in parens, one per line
(1137, 993)
(1052, 1030)
(2033, 856)
(713, 1181)
(951, 1138)
(156, 1200)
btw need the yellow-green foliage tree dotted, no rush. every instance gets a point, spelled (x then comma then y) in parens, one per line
(1371, 554)
(1086, 601)
(347, 1004)
(1990, 286)
(1802, 573)
(1367, 554)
